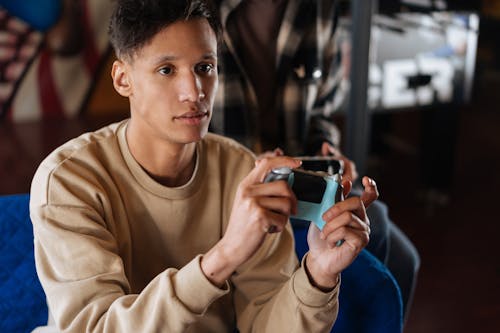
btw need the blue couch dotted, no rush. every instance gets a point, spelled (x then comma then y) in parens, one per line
(22, 300)
(370, 300)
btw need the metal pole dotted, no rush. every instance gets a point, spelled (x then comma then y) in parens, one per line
(358, 127)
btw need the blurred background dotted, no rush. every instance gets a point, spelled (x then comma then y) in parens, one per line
(433, 142)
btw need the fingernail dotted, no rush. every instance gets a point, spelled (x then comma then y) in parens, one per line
(322, 236)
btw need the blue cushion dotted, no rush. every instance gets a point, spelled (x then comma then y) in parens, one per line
(22, 300)
(370, 299)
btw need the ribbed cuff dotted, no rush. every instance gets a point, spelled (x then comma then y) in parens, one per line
(194, 289)
(309, 294)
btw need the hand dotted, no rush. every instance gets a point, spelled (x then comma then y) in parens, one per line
(271, 153)
(350, 172)
(347, 221)
(258, 209)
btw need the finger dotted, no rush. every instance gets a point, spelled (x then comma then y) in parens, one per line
(280, 205)
(266, 165)
(351, 204)
(346, 187)
(273, 222)
(264, 192)
(271, 153)
(350, 169)
(347, 219)
(271, 189)
(278, 152)
(328, 150)
(325, 149)
(370, 193)
(356, 239)
(336, 238)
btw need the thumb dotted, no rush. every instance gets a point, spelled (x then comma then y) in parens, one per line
(265, 165)
(346, 187)
(328, 150)
(370, 193)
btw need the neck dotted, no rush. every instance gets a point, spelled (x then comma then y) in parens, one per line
(169, 164)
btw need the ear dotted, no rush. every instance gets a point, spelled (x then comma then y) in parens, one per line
(120, 77)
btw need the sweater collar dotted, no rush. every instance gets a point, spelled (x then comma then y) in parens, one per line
(149, 184)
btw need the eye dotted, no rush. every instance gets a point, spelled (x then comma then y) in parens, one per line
(165, 70)
(205, 68)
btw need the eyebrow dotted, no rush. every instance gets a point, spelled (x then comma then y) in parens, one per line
(167, 58)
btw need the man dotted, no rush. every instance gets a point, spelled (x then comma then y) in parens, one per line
(283, 75)
(153, 225)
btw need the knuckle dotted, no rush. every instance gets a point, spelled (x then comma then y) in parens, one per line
(367, 221)
(282, 185)
(288, 207)
(244, 192)
(329, 227)
(281, 223)
(265, 160)
(358, 244)
(366, 239)
(348, 217)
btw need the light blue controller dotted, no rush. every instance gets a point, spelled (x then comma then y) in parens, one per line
(316, 191)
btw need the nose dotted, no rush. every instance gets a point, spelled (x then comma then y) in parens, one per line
(190, 88)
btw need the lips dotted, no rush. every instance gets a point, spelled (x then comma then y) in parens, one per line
(192, 115)
(192, 118)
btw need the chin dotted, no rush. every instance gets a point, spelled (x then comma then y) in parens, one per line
(195, 136)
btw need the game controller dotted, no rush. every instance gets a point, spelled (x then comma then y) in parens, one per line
(329, 164)
(316, 191)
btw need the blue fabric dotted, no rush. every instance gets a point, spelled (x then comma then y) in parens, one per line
(22, 300)
(370, 299)
(39, 14)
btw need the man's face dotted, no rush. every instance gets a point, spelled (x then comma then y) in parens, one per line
(171, 83)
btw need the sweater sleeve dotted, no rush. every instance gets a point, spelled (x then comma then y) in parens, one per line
(76, 255)
(273, 294)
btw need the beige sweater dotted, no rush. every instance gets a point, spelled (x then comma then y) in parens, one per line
(117, 252)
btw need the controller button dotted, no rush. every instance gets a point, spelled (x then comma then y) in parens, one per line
(282, 171)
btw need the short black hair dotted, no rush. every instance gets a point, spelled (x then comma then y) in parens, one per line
(134, 23)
